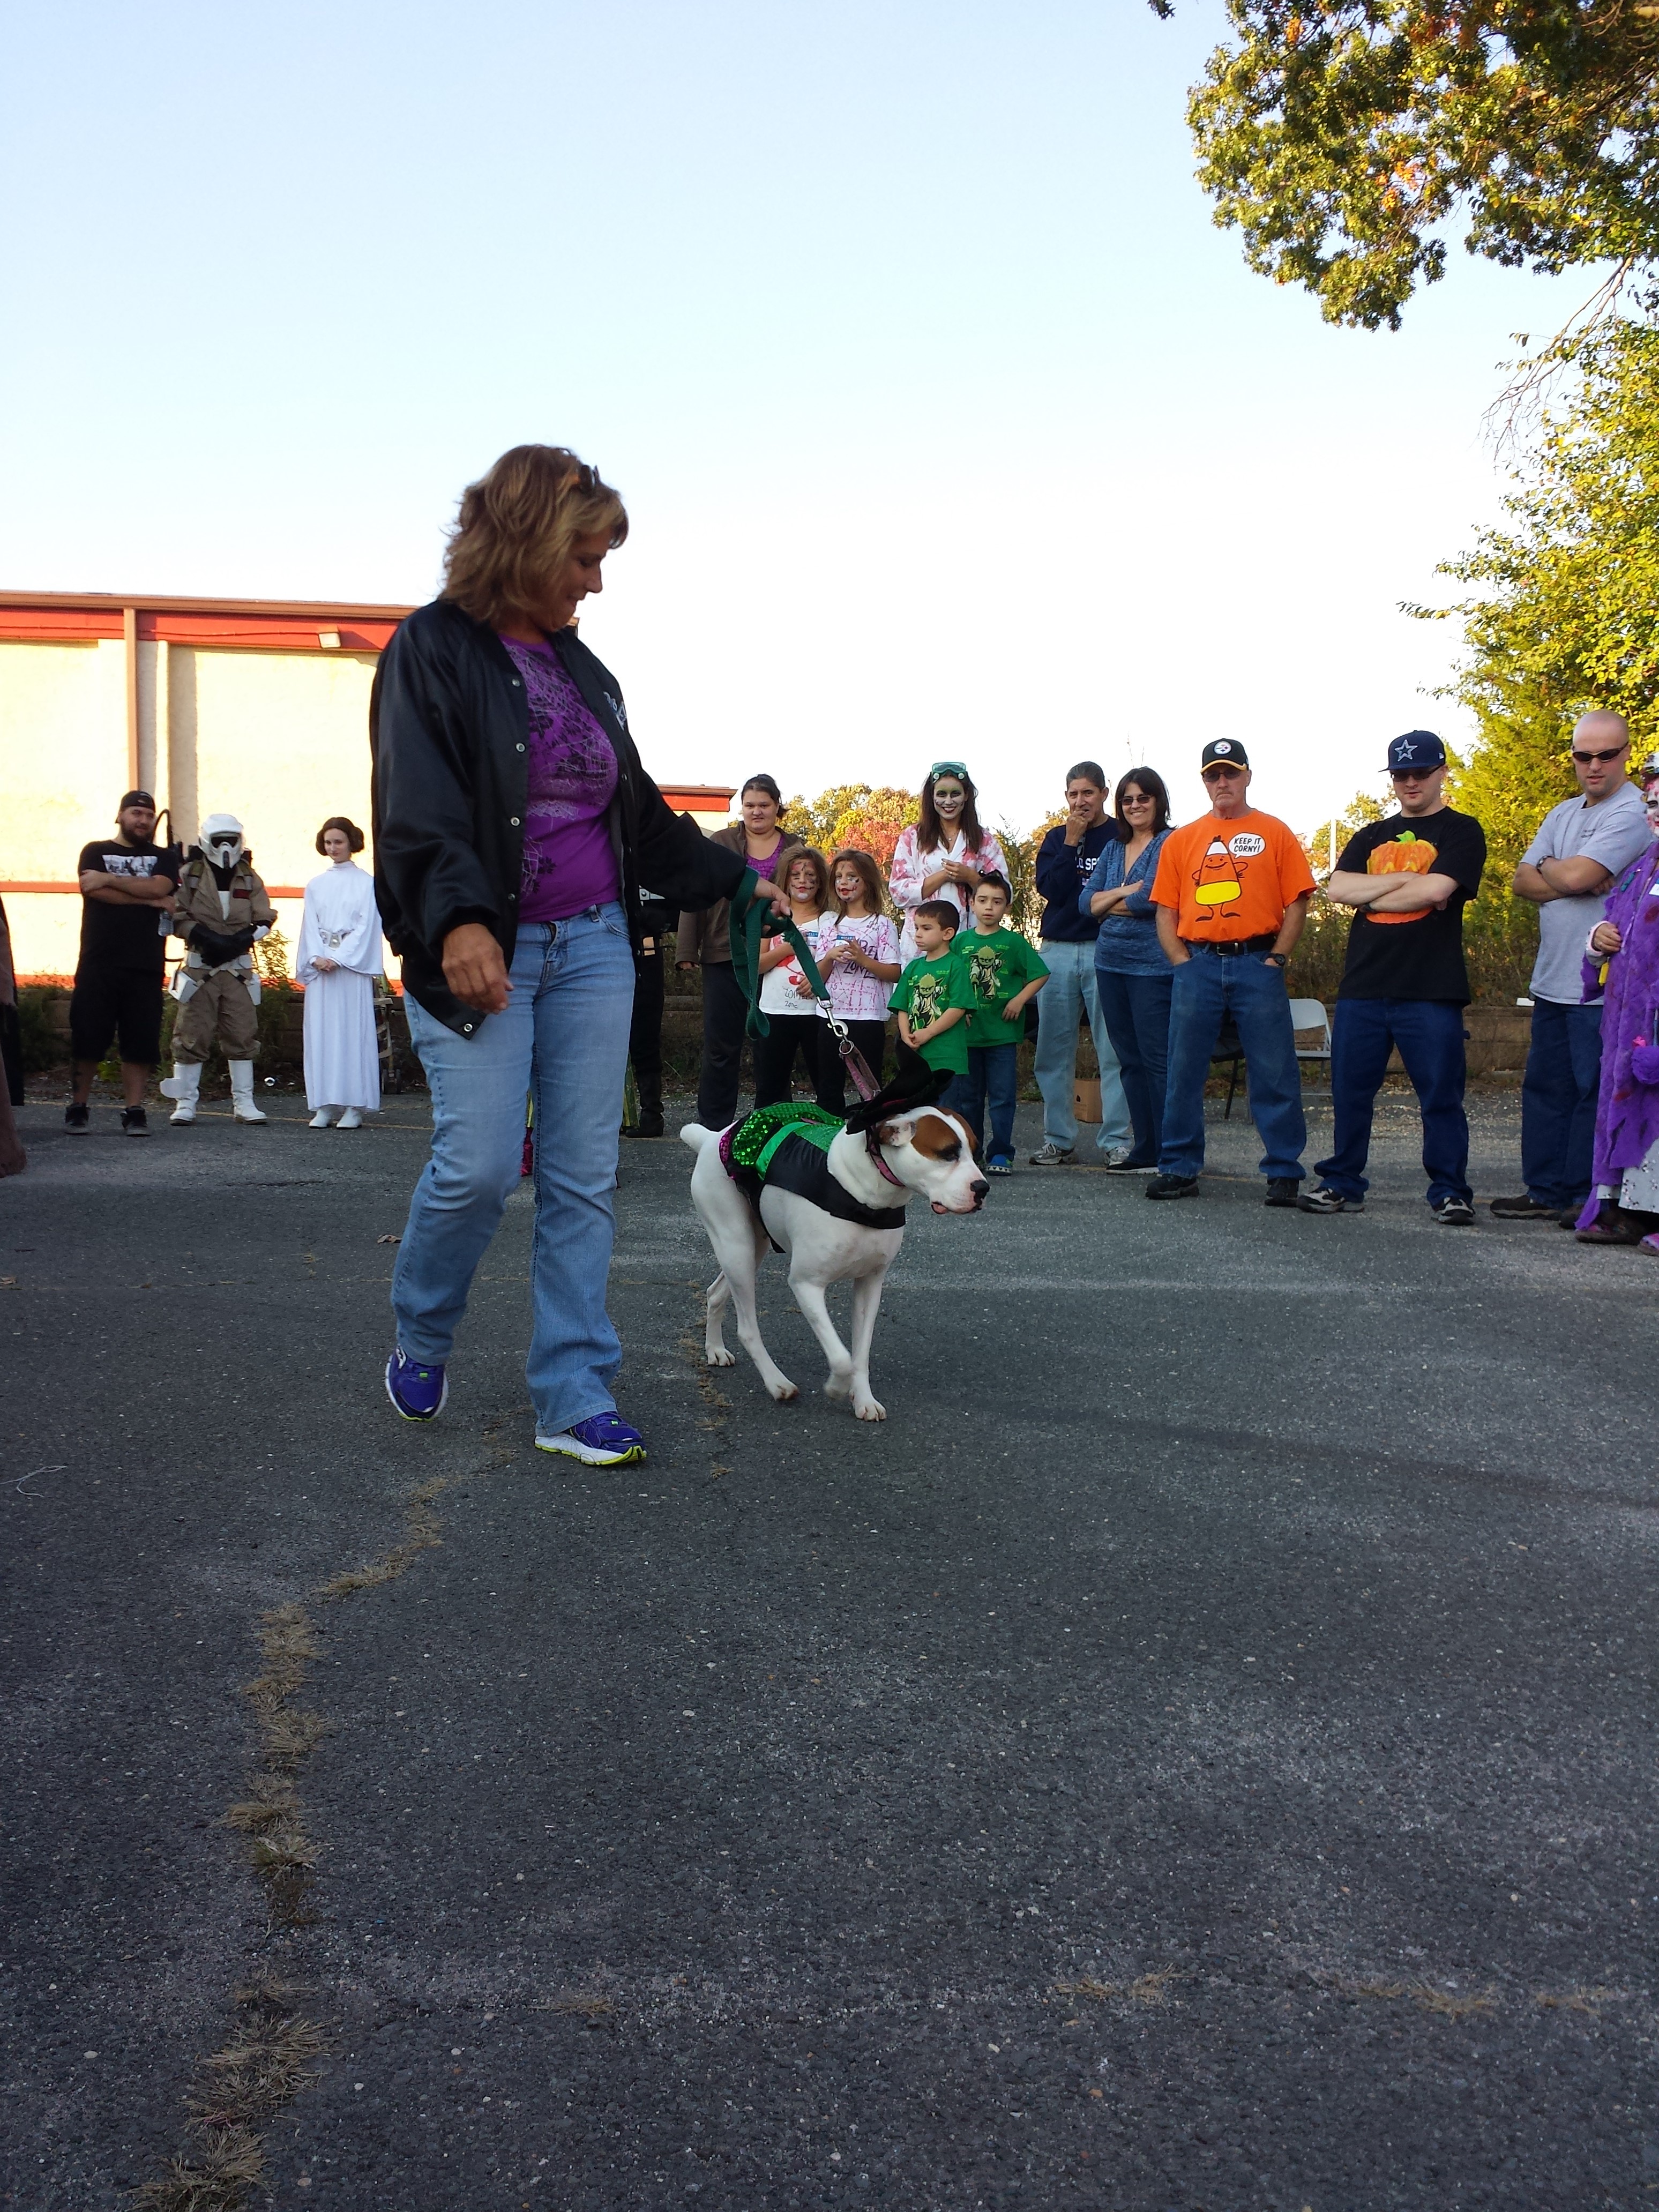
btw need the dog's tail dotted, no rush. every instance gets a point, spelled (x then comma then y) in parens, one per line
(696, 1136)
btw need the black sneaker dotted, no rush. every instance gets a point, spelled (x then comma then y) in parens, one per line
(1282, 1190)
(134, 1122)
(648, 1125)
(1165, 1185)
(1524, 1208)
(1324, 1199)
(1453, 1213)
(77, 1117)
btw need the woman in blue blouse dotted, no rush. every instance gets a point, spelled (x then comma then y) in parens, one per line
(1134, 979)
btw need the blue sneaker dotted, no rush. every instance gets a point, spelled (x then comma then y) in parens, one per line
(999, 1164)
(605, 1440)
(418, 1392)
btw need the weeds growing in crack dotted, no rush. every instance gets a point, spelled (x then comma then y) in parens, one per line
(717, 1405)
(1448, 2004)
(267, 2060)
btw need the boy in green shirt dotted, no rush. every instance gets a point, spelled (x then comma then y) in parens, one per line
(932, 997)
(1005, 973)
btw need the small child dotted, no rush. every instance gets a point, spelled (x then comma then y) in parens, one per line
(1005, 974)
(857, 950)
(932, 997)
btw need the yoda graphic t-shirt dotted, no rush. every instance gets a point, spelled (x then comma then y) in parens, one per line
(1000, 964)
(1413, 955)
(926, 989)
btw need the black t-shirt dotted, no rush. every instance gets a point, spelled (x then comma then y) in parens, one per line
(1413, 955)
(123, 936)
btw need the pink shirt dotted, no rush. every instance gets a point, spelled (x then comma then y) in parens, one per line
(855, 993)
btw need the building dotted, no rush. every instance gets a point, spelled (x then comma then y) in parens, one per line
(256, 708)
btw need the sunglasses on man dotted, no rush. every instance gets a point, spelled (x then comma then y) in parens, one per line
(1212, 775)
(1612, 754)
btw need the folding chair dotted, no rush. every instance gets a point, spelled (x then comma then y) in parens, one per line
(1309, 1014)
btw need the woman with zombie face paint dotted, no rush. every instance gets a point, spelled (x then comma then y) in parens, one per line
(1624, 954)
(944, 855)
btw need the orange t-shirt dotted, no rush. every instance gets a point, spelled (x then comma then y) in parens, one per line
(1231, 879)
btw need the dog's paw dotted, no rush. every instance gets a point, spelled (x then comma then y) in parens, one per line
(869, 1409)
(783, 1389)
(839, 1386)
(722, 1358)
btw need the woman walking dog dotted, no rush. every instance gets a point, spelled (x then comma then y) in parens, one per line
(514, 825)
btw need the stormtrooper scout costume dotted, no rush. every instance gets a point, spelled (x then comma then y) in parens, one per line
(220, 911)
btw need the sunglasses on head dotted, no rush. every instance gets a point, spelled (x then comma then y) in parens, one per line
(1587, 757)
(947, 767)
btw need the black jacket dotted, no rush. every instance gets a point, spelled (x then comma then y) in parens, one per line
(448, 725)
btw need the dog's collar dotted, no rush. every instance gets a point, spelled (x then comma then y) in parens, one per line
(873, 1148)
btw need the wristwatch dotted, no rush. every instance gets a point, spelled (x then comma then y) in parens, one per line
(1280, 959)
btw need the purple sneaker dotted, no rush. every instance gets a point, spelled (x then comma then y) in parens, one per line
(605, 1440)
(418, 1392)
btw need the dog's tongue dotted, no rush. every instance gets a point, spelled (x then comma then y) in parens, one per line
(937, 1208)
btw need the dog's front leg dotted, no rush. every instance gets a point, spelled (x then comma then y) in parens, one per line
(866, 1304)
(714, 1339)
(809, 1296)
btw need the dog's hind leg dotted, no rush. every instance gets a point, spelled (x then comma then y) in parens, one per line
(809, 1296)
(866, 1304)
(739, 1245)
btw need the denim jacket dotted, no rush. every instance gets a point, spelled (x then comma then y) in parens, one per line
(1127, 942)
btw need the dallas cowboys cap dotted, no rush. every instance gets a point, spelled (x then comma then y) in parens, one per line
(1226, 751)
(1418, 749)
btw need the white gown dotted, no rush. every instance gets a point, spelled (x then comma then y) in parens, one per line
(341, 923)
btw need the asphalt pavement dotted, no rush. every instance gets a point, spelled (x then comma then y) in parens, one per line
(1198, 1753)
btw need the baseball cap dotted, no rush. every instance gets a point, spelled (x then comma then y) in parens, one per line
(1418, 749)
(135, 799)
(1225, 751)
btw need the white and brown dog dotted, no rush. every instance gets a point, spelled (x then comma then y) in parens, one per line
(839, 1215)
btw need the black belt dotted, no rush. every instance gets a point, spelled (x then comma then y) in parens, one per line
(1230, 948)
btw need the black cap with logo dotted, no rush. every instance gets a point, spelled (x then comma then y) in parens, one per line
(1418, 749)
(1223, 752)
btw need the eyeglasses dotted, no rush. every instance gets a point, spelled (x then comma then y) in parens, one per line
(1588, 757)
(1138, 799)
(1210, 773)
(1415, 775)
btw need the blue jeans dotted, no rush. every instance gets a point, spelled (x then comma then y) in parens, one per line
(1136, 1011)
(1202, 989)
(993, 1080)
(1069, 992)
(1430, 1035)
(1557, 1102)
(565, 1032)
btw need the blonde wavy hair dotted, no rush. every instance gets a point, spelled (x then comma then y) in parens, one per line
(515, 528)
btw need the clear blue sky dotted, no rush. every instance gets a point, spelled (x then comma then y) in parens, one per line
(947, 420)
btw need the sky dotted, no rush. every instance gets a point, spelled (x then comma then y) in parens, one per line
(948, 423)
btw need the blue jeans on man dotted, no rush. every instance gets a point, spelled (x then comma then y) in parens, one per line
(1428, 1033)
(1069, 994)
(992, 1082)
(1557, 1102)
(564, 1035)
(1204, 988)
(1136, 1011)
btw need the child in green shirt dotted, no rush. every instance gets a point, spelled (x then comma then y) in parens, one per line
(932, 997)
(1004, 973)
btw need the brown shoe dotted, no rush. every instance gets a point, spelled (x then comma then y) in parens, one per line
(1524, 1208)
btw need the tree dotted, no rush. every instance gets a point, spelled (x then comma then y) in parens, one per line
(1565, 614)
(855, 814)
(1342, 136)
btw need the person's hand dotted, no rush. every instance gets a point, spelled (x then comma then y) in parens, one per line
(961, 873)
(324, 967)
(1077, 825)
(801, 988)
(474, 969)
(1011, 1013)
(685, 966)
(776, 895)
(1605, 937)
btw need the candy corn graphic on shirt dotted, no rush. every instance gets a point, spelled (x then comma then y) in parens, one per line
(1231, 879)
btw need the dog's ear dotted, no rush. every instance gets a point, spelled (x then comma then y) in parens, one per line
(915, 1085)
(895, 1132)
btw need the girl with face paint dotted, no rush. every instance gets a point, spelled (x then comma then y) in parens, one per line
(945, 853)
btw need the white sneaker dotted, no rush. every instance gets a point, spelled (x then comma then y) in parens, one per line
(1052, 1156)
(323, 1118)
(352, 1118)
(1118, 1154)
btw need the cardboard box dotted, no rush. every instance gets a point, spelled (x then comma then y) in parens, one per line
(1085, 1098)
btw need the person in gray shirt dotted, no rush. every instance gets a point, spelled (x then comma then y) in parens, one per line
(1567, 872)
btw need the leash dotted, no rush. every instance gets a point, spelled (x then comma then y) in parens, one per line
(759, 921)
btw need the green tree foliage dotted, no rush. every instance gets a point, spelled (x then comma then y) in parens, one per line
(1343, 137)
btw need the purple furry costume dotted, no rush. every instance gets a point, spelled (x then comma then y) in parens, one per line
(1627, 1109)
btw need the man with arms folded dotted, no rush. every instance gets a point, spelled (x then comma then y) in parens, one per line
(127, 884)
(1567, 872)
(1232, 893)
(1404, 982)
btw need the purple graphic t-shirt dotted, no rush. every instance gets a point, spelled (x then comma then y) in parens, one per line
(568, 864)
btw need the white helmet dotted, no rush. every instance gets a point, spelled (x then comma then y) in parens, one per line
(222, 840)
